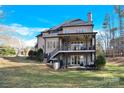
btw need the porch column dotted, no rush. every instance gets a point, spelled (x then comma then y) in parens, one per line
(86, 59)
(93, 57)
(45, 45)
(86, 37)
(60, 44)
(95, 48)
(93, 41)
(65, 61)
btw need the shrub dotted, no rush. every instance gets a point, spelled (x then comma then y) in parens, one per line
(11, 51)
(100, 61)
(40, 55)
(36, 55)
(7, 51)
(30, 53)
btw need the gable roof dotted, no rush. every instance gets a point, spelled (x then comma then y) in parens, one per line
(74, 22)
(39, 35)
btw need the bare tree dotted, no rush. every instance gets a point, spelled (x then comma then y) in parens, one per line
(7, 39)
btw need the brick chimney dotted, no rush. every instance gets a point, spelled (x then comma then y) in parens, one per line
(90, 17)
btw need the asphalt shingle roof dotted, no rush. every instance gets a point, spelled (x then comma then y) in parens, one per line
(73, 22)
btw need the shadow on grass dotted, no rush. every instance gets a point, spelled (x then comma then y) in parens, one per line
(20, 59)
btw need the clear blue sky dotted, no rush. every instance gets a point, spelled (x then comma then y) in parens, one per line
(48, 16)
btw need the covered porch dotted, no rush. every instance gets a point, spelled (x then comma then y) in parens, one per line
(85, 41)
(69, 60)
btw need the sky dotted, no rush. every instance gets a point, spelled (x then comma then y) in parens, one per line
(27, 21)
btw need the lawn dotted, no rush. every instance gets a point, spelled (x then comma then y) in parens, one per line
(19, 72)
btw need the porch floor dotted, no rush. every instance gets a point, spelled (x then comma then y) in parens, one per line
(76, 67)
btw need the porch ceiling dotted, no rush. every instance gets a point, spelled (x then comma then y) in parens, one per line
(77, 34)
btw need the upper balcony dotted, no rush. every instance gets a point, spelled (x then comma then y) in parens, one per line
(77, 48)
(72, 49)
(69, 33)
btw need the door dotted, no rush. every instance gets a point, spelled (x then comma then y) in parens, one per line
(82, 60)
(75, 60)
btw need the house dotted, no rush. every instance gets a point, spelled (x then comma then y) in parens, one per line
(72, 43)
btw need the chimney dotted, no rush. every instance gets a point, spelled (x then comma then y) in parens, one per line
(90, 17)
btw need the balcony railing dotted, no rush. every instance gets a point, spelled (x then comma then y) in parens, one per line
(66, 48)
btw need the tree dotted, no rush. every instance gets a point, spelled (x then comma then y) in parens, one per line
(26, 51)
(100, 61)
(40, 55)
(107, 31)
(6, 37)
(120, 13)
(99, 47)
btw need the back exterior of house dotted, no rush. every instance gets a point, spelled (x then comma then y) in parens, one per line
(72, 43)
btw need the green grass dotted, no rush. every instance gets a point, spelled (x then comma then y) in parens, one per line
(39, 76)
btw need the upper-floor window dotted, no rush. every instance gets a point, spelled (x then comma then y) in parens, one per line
(51, 44)
(77, 29)
(122, 42)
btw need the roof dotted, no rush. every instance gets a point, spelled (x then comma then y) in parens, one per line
(74, 22)
(39, 35)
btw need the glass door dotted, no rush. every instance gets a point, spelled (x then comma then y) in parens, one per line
(75, 60)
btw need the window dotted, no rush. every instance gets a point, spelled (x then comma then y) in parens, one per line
(122, 42)
(72, 60)
(48, 45)
(51, 44)
(54, 46)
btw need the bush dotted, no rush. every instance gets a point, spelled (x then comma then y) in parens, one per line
(100, 61)
(31, 53)
(40, 55)
(11, 51)
(7, 51)
(36, 55)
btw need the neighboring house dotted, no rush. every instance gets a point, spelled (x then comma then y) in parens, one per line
(72, 43)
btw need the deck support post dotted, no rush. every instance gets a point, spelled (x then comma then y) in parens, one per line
(95, 48)
(45, 45)
(60, 44)
(86, 59)
(86, 41)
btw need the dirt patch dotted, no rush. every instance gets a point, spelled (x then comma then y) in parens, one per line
(18, 62)
(116, 60)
